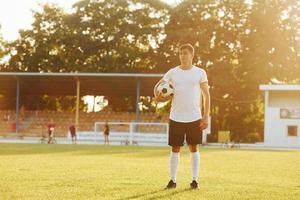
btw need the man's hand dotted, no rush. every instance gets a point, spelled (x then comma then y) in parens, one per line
(159, 98)
(204, 123)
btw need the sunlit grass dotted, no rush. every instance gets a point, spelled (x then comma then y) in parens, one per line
(113, 172)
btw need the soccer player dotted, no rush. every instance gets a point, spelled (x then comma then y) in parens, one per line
(106, 133)
(186, 119)
(72, 130)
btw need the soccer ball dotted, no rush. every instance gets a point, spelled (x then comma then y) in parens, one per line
(166, 89)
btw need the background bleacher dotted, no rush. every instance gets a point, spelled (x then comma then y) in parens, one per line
(34, 123)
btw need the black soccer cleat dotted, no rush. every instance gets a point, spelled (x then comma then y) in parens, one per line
(171, 185)
(194, 185)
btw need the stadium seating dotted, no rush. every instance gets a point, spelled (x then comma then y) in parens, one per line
(34, 123)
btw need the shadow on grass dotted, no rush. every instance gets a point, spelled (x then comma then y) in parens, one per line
(158, 194)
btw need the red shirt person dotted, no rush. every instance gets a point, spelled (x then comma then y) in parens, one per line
(50, 127)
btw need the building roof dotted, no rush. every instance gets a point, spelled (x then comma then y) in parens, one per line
(61, 84)
(280, 87)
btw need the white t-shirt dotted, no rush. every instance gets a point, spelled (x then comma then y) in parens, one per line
(186, 103)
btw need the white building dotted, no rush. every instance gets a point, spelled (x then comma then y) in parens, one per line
(282, 115)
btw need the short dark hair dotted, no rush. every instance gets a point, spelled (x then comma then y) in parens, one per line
(187, 46)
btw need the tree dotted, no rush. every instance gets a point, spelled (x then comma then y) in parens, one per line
(120, 35)
(100, 36)
(2, 50)
(271, 47)
(234, 45)
(40, 49)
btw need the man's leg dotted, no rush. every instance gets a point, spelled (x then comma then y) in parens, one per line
(105, 139)
(49, 134)
(176, 139)
(174, 162)
(194, 138)
(50, 137)
(195, 164)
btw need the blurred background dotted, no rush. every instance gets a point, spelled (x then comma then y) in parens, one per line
(240, 44)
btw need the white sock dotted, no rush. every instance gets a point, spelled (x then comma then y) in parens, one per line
(174, 162)
(195, 163)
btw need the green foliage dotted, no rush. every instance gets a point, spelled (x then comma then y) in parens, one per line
(2, 49)
(99, 36)
(253, 138)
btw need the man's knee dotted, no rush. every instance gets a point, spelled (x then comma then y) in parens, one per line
(175, 149)
(193, 148)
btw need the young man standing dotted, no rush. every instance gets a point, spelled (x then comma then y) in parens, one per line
(186, 119)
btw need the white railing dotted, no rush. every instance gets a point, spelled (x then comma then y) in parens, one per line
(133, 132)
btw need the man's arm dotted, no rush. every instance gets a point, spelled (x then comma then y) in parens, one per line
(206, 104)
(156, 85)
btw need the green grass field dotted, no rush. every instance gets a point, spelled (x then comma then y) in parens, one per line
(118, 172)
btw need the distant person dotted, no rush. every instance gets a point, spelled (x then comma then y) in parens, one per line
(51, 127)
(106, 133)
(6, 116)
(72, 130)
(22, 112)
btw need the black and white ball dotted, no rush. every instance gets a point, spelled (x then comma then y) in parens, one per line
(165, 89)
